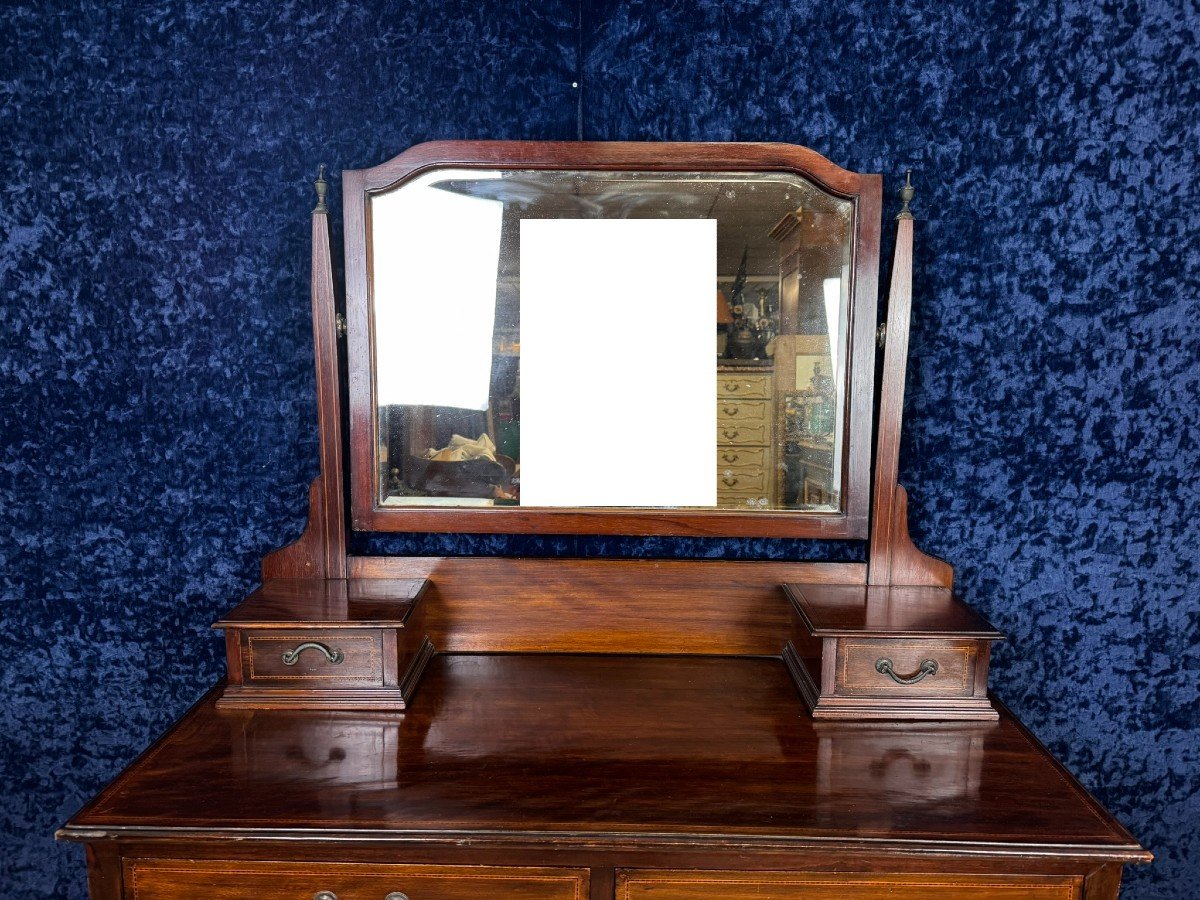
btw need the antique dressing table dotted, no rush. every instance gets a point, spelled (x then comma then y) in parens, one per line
(529, 347)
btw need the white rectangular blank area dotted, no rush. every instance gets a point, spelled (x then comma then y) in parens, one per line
(618, 362)
(434, 294)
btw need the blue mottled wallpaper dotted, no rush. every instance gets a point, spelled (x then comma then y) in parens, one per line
(156, 380)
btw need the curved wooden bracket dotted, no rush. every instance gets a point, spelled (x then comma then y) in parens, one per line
(304, 557)
(895, 559)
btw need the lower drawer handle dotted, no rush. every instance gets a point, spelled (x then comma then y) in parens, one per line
(883, 666)
(396, 895)
(324, 895)
(335, 657)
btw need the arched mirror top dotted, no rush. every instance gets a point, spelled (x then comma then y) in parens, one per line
(615, 338)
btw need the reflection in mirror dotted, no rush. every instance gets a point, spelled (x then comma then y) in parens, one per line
(644, 354)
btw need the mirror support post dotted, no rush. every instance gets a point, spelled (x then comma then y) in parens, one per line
(893, 558)
(320, 552)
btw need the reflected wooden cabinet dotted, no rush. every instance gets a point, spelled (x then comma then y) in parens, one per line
(429, 728)
(745, 437)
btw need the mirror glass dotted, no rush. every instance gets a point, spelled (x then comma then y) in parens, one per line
(606, 338)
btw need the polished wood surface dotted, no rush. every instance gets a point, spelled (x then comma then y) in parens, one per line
(637, 751)
(895, 611)
(863, 190)
(606, 605)
(344, 603)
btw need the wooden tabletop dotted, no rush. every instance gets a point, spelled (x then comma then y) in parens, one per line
(640, 749)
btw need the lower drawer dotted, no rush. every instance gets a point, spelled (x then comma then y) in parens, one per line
(667, 885)
(164, 879)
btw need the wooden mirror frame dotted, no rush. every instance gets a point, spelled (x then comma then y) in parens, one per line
(864, 191)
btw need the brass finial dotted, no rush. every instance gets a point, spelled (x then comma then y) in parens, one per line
(322, 187)
(906, 195)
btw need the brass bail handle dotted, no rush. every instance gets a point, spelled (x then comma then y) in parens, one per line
(928, 667)
(334, 655)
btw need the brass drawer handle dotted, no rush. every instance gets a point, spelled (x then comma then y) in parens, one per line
(730, 435)
(883, 666)
(335, 657)
(731, 457)
(396, 895)
(731, 412)
(730, 482)
(325, 895)
(731, 387)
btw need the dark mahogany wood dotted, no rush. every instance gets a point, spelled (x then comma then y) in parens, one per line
(894, 559)
(320, 552)
(606, 761)
(831, 610)
(693, 885)
(605, 605)
(863, 190)
(352, 603)
(164, 879)
(841, 633)
(104, 871)
(378, 629)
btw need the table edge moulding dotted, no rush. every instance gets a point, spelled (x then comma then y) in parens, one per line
(441, 728)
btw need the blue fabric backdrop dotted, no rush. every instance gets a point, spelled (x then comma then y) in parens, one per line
(155, 366)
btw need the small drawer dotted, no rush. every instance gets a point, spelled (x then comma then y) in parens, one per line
(165, 879)
(899, 667)
(682, 885)
(742, 479)
(351, 657)
(737, 433)
(753, 387)
(741, 457)
(737, 411)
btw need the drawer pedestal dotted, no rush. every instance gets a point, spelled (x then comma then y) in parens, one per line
(889, 653)
(346, 645)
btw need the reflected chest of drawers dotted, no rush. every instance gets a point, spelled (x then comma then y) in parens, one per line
(745, 456)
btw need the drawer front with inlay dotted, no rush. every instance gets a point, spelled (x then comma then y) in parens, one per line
(751, 387)
(161, 879)
(668, 885)
(307, 658)
(898, 667)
